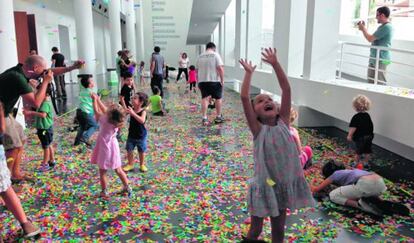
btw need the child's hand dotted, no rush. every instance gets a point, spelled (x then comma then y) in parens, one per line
(94, 96)
(247, 65)
(130, 111)
(26, 112)
(269, 56)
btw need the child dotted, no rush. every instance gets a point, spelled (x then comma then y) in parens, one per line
(85, 112)
(106, 153)
(361, 130)
(44, 126)
(278, 182)
(141, 73)
(353, 185)
(156, 103)
(137, 134)
(193, 78)
(305, 153)
(7, 193)
(127, 91)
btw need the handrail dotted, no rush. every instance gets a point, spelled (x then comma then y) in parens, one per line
(375, 61)
(376, 47)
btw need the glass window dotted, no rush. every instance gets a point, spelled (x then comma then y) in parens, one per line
(260, 30)
(230, 34)
(402, 16)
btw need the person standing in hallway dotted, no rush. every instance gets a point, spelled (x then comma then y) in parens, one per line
(382, 38)
(182, 66)
(14, 83)
(157, 70)
(210, 81)
(58, 60)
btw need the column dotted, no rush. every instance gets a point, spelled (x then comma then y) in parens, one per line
(237, 39)
(139, 30)
(8, 48)
(130, 28)
(115, 29)
(321, 44)
(84, 35)
(221, 37)
(289, 34)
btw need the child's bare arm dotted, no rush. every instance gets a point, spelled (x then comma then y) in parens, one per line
(122, 100)
(269, 56)
(34, 113)
(140, 118)
(351, 133)
(251, 117)
(96, 108)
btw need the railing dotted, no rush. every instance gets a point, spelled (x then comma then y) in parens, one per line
(349, 56)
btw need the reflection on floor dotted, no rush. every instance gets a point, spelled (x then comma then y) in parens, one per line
(196, 186)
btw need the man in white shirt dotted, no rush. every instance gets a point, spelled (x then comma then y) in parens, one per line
(210, 73)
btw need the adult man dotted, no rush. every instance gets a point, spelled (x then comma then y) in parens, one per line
(14, 83)
(157, 70)
(210, 81)
(381, 37)
(58, 60)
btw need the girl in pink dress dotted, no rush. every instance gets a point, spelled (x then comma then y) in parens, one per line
(305, 153)
(106, 153)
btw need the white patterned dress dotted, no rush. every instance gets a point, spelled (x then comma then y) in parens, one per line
(5, 182)
(278, 181)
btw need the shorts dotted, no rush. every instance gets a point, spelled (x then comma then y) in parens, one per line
(213, 89)
(159, 113)
(45, 137)
(5, 181)
(13, 136)
(364, 144)
(366, 186)
(141, 144)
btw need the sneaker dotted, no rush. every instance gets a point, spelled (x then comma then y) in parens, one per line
(219, 119)
(127, 168)
(205, 121)
(143, 168)
(103, 194)
(30, 230)
(127, 190)
(367, 208)
(52, 163)
(87, 143)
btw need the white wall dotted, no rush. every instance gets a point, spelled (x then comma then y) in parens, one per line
(391, 114)
(49, 14)
(175, 18)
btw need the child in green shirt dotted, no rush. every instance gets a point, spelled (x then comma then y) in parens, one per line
(156, 103)
(44, 126)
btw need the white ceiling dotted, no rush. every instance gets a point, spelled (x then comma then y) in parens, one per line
(205, 15)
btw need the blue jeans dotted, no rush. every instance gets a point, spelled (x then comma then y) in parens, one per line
(87, 126)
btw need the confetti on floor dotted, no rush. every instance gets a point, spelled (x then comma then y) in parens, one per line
(194, 190)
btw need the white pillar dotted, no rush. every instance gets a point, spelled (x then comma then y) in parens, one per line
(289, 34)
(84, 35)
(237, 39)
(140, 30)
(115, 29)
(8, 48)
(321, 43)
(130, 28)
(221, 37)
